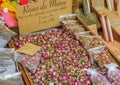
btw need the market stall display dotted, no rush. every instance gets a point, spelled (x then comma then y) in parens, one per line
(70, 54)
(60, 48)
(56, 57)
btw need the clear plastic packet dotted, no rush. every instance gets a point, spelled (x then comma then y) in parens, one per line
(30, 62)
(78, 34)
(6, 54)
(7, 67)
(7, 50)
(97, 78)
(101, 56)
(77, 28)
(6, 32)
(67, 17)
(113, 73)
(3, 42)
(90, 41)
(12, 79)
(7, 63)
(67, 24)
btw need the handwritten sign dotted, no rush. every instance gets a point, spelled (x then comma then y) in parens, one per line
(42, 15)
(29, 49)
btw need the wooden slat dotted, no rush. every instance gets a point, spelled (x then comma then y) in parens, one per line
(28, 76)
(24, 75)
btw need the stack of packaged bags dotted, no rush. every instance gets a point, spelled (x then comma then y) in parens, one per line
(9, 72)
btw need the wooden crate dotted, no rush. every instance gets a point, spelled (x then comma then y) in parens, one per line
(14, 29)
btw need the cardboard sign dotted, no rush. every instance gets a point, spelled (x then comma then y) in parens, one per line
(42, 15)
(29, 49)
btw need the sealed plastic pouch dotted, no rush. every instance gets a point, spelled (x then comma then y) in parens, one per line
(5, 35)
(90, 41)
(97, 78)
(6, 54)
(78, 34)
(8, 64)
(101, 56)
(12, 79)
(113, 73)
(67, 17)
(5, 32)
(77, 28)
(70, 23)
(3, 42)
(30, 62)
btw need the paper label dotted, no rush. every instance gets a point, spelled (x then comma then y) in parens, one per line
(29, 49)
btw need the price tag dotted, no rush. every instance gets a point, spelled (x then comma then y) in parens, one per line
(29, 49)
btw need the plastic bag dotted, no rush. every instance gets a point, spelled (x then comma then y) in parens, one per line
(30, 62)
(113, 73)
(5, 32)
(67, 17)
(77, 28)
(12, 79)
(7, 67)
(5, 35)
(90, 41)
(6, 54)
(7, 63)
(67, 24)
(101, 56)
(77, 35)
(87, 19)
(97, 78)
(3, 42)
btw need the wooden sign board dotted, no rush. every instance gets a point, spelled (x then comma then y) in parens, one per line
(42, 15)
